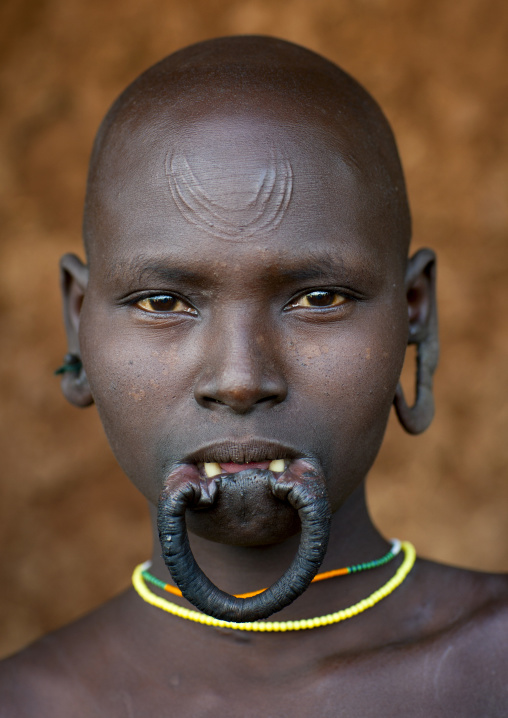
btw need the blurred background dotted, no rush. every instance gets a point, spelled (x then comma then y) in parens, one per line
(438, 68)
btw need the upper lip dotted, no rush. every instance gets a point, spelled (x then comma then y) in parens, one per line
(242, 452)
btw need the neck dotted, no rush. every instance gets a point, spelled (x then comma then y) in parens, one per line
(353, 539)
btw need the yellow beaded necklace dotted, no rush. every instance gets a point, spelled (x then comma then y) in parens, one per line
(271, 626)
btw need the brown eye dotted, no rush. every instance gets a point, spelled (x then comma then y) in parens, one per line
(320, 298)
(164, 303)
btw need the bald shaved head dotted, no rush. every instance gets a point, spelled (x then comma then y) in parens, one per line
(257, 89)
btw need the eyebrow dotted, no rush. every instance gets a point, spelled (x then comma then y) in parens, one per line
(311, 267)
(316, 265)
(151, 269)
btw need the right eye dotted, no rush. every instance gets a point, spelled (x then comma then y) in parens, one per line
(318, 299)
(164, 304)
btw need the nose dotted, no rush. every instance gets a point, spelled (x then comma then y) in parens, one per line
(241, 370)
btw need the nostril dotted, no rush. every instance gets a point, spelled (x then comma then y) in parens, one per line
(239, 392)
(241, 405)
(273, 398)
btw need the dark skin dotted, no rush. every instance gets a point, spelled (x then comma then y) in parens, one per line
(288, 340)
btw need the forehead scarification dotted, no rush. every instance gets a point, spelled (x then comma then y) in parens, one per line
(260, 76)
(259, 207)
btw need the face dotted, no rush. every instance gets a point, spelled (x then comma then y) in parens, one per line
(245, 302)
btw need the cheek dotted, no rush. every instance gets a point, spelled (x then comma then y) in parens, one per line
(350, 366)
(347, 382)
(138, 388)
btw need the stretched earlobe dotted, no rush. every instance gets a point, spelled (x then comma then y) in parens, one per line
(73, 282)
(423, 331)
(75, 386)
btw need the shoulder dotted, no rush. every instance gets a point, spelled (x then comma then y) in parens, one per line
(465, 649)
(482, 636)
(30, 679)
(471, 661)
(472, 603)
(65, 673)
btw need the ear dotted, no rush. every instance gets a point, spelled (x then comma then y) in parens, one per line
(422, 313)
(73, 283)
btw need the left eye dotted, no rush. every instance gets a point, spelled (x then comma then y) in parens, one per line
(320, 298)
(164, 303)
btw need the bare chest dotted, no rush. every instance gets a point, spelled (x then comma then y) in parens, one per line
(405, 682)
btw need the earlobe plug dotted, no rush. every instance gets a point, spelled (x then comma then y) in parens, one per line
(71, 363)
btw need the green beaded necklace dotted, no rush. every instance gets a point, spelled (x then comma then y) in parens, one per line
(394, 550)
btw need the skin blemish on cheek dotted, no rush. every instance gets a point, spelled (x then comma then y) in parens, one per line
(253, 198)
(137, 394)
(165, 359)
(368, 352)
(311, 351)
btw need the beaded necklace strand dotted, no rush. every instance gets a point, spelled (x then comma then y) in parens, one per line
(394, 551)
(272, 626)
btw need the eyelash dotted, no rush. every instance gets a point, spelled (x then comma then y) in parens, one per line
(173, 299)
(343, 296)
(293, 304)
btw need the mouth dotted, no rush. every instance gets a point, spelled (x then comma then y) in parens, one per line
(230, 457)
(211, 469)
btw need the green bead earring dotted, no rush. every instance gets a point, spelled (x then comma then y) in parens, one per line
(71, 363)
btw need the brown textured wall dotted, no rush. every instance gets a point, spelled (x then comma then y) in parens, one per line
(438, 67)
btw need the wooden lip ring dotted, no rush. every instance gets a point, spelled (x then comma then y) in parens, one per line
(304, 490)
